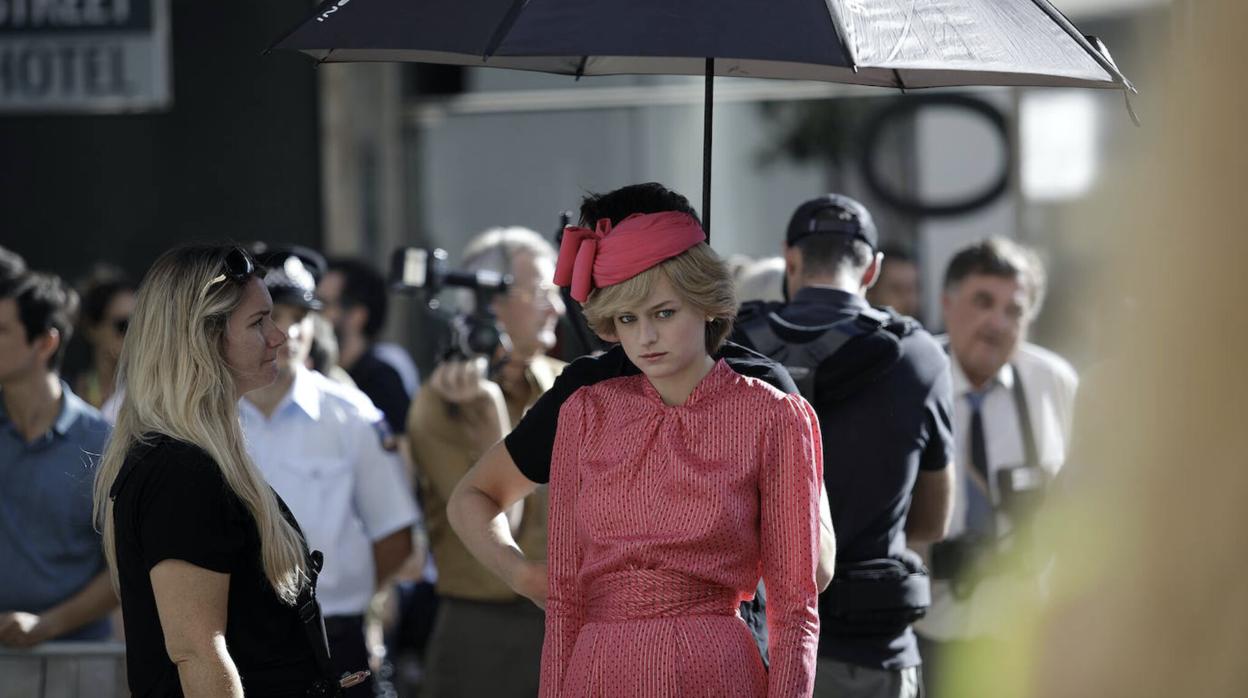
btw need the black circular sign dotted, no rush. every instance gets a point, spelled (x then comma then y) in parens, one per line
(909, 107)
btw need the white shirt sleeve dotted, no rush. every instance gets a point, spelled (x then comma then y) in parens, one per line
(382, 494)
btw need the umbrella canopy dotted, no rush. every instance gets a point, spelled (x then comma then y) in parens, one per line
(887, 43)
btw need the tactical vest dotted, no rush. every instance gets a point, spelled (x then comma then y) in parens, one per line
(869, 344)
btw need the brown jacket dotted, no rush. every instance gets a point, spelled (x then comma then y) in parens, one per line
(443, 451)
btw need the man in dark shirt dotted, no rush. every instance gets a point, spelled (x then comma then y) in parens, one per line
(354, 295)
(882, 393)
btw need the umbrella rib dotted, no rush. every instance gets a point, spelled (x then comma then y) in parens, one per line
(1060, 20)
(504, 26)
(285, 36)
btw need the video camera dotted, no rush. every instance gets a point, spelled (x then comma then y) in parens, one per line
(428, 272)
(974, 555)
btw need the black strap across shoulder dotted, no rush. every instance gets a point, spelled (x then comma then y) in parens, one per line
(804, 349)
(314, 627)
(1030, 452)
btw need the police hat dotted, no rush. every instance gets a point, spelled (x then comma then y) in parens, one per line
(836, 214)
(293, 271)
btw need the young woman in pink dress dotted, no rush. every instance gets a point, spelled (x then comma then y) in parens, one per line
(672, 491)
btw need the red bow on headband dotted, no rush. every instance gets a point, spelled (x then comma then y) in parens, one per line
(606, 255)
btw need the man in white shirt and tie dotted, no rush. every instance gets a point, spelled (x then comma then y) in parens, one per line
(1013, 404)
(321, 445)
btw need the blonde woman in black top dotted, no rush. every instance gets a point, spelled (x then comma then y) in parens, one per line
(208, 562)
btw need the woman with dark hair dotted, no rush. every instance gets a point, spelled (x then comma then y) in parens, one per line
(107, 302)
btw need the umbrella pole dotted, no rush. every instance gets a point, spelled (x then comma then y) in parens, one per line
(708, 109)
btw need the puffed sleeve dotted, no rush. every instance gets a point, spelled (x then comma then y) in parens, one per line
(564, 600)
(789, 504)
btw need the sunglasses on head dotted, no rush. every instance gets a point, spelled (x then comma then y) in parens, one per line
(238, 266)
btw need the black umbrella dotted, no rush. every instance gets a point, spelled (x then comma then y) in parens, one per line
(903, 44)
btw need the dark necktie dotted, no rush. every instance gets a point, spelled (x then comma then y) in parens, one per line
(979, 450)
(979, 514)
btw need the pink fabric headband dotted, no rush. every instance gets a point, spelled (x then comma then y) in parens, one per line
(590, 259)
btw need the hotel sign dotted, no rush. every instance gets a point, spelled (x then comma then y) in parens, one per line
(84, 56)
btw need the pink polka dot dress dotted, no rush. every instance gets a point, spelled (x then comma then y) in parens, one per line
(662, 519)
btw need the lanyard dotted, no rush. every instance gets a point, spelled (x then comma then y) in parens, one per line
(1030, 453)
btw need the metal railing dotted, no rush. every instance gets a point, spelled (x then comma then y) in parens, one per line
(64, 670)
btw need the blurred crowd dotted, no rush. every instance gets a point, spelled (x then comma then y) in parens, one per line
(367, 452)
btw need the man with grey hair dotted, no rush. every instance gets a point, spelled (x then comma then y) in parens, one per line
(486, 639)
(1012, 416)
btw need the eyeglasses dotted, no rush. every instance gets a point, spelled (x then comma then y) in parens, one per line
(531, 294)
(121, 325)
(238, 267)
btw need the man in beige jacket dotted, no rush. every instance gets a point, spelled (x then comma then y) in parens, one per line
(486, 639)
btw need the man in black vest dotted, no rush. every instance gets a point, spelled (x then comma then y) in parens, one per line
(881, 387)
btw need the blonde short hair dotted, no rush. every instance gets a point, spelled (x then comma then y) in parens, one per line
(699, 276)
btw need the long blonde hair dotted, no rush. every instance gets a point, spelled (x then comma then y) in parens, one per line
(177, 383)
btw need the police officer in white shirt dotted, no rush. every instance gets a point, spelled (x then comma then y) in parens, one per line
(1013, 404)
(324, 448)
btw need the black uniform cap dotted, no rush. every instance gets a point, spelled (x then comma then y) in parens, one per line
(836, 214)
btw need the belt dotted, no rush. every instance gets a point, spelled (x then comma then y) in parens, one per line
(655, 593)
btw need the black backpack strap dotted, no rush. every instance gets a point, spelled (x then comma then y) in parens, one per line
(752, 321)
(866, 321)
(314, 627)
(802, 349)
(310, 615)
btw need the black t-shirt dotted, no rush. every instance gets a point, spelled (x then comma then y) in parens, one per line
(532, 442)
(172, 503)
(382, 384)
(876, 441)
